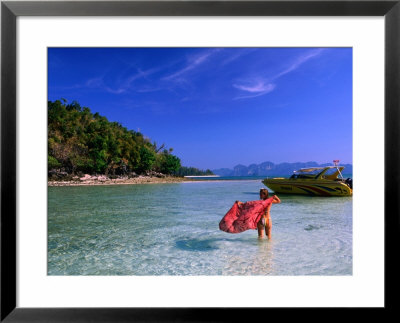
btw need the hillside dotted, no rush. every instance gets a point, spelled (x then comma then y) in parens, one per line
(82, 142)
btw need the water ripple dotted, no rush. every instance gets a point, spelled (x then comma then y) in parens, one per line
(172, 229)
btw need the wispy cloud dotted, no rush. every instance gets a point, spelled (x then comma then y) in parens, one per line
(98, 83)
(300, 61)
(193, 63)
(126, 84)
(254, 89)
(238, 54)
(260, 86)
(122, 84)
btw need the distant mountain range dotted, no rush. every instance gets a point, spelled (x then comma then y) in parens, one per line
(271, 169)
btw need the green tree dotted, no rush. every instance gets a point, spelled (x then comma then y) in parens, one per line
(169, 164)
(147, 159)
(52, 162)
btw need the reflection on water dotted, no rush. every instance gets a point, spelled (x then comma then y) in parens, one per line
(172, 229)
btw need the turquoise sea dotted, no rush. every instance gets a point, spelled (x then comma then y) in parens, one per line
(172, 229)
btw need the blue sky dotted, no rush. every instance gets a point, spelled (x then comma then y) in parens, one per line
(218, 107)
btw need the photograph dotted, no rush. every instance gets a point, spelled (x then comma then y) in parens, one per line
(161, 160)
(200, 161)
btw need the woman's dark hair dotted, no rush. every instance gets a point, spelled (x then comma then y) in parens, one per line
(264, 190)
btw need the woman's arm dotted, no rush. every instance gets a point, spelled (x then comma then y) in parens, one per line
(276, 199)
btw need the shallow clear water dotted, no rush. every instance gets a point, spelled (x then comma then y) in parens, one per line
(172, 229)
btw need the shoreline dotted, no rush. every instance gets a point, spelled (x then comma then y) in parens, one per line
(137, 180)
(120, 181)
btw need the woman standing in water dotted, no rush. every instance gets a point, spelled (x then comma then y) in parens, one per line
(265, 222)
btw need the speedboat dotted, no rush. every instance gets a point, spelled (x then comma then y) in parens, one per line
(321, 181)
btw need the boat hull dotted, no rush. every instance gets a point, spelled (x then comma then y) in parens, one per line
(308, 187)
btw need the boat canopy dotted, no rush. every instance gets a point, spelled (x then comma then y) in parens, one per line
(316, 170)
(327, 171)
(309, 170)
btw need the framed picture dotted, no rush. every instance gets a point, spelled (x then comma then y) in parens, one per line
(36, 285)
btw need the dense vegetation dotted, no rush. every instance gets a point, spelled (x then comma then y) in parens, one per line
(184, 171)
(82, 142)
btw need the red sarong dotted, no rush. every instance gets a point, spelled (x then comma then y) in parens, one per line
(244, 216)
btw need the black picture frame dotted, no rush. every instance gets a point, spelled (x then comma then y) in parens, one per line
(10, 10)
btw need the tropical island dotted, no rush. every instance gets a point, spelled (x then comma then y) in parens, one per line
(84, 148)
